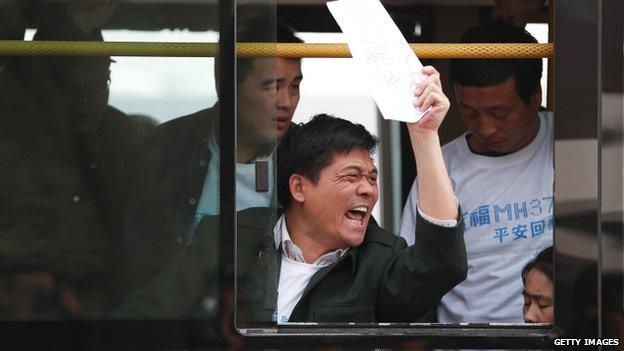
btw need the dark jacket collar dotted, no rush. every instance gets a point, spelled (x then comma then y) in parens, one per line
(273, 215)
(265, 227)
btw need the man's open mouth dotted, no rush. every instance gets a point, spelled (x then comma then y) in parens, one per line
(357, 215)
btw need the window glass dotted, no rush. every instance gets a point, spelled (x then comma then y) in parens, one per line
(100, 196)
(111, 198)
(507, 135)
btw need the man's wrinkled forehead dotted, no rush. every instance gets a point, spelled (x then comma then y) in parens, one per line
(489, 95)
(352, 160)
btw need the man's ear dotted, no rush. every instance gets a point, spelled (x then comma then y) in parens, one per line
(296, 184)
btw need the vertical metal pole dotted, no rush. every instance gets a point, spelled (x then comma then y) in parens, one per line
(577, 110)
(612, 151)
(227, 145)
(392, 176)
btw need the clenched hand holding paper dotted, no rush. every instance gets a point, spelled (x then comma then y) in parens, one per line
(381, 51)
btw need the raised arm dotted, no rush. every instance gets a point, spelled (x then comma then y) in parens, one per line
(435, 194)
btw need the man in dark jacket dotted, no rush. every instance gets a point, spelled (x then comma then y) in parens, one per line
(179, 179)
(322, 260)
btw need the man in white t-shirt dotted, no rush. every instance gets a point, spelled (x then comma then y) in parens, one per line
(502, 174)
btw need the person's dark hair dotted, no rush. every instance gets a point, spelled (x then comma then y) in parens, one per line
(486, 72)
(257, 28)
(542, 262)
(65, 29)
(260, 30)
(307, 148)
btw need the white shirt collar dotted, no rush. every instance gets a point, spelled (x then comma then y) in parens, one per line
(291, 251)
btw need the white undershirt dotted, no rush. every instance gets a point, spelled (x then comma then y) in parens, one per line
(294, 277)
(295, 273)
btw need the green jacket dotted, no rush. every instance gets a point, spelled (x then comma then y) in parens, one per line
(382, 280)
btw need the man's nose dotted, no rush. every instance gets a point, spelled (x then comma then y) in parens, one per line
(532, 314)
(284, 100)
(487, 126)
(365, 188)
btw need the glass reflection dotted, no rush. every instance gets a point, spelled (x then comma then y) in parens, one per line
(71, 165)
(72, 159)
(173, 234)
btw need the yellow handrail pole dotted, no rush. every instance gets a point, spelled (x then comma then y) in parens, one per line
(425, 51)
(285, 50)
(109, 48)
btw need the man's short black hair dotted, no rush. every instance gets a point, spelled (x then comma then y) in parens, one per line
(307, 148)
(260, 29)
(486, 72)
(542, 262)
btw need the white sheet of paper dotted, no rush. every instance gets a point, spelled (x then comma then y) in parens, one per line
(383, 55)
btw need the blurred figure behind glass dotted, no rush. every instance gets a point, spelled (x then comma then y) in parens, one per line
(68, 161)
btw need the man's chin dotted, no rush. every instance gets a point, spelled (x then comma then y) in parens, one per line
(279, 133)
(355, 240)
(354, 234)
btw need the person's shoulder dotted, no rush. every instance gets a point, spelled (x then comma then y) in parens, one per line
(547, 117)
(257, 217)
(456, 149)
(121, 127)
(184, 128)
(257, 212)
(250, 218)
(545, 113)
(377, 236)
(190, 120)
(452, 146)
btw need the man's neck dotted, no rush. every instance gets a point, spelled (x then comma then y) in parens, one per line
(245, 152)
(303, 235)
